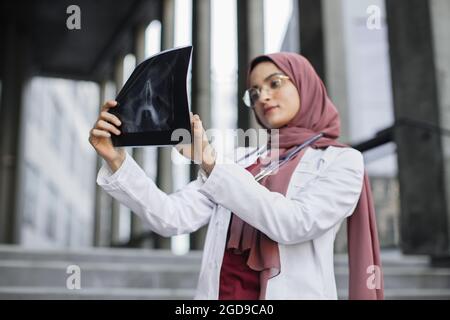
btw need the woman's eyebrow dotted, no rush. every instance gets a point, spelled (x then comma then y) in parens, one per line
(273, 74)
(270, 76)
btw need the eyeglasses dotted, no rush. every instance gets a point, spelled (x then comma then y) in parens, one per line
(272, 83)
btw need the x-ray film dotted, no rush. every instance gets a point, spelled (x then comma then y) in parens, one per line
(153, 103)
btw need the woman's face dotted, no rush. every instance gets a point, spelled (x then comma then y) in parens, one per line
(279, 100)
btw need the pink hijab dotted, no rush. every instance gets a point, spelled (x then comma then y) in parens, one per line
(317, 114)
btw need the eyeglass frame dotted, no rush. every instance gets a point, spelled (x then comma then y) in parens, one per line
(246, 98)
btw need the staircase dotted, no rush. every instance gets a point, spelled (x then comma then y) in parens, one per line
(405, 277)
(150, 274)
(105, 274)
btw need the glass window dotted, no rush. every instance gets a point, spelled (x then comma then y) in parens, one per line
(31, 190)
(55, 125)
(52, 213)
(73, 150)
(68, 226)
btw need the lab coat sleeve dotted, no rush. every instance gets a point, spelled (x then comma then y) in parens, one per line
(181, 212)
(322, 203)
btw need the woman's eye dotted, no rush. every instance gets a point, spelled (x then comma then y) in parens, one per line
(275, 84)
(254, 95)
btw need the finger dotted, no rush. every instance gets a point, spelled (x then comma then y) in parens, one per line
(193, 121)
(105, 115)
(192, 117)
(100, 133)
(195, 118)
(102, 124)
(198, 138)
(198, 127)
(109, 104)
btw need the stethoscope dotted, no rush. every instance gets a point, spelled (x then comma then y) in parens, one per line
(285, 158)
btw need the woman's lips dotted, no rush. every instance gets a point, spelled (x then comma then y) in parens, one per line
(269, 109)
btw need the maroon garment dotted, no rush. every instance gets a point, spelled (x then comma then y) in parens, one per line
(237, 280)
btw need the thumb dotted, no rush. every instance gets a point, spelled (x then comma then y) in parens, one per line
(198, 140)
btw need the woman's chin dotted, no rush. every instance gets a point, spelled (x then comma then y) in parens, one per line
(274, 122)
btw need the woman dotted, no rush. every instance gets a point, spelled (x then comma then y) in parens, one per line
(271, 239)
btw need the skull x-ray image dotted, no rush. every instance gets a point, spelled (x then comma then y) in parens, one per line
(153, 102)
(150, 107)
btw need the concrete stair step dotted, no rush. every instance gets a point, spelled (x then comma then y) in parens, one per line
(405, 278)
(140, 275)
(111, 273)
(390, 258)
(112, 255)
(408, 294)
(99, 275)
(51, 293)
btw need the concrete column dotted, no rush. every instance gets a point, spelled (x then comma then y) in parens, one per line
(311, 34)
(98, 192)
(14, 66)
(201, 83)
(164, 176)
(440, 13)
(168, 24)
(335, 45)
(103, 202)
(424, 217)
(116, 206)
(250, 19)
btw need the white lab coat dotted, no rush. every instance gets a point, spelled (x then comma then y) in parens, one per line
(323, 191)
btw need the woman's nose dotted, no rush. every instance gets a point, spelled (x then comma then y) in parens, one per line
(265, 95)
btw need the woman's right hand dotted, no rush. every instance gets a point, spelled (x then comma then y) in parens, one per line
(100, 137)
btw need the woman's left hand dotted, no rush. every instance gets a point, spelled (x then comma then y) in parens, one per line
(200, 151)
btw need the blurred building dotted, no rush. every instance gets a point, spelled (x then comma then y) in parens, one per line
(58, 164)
